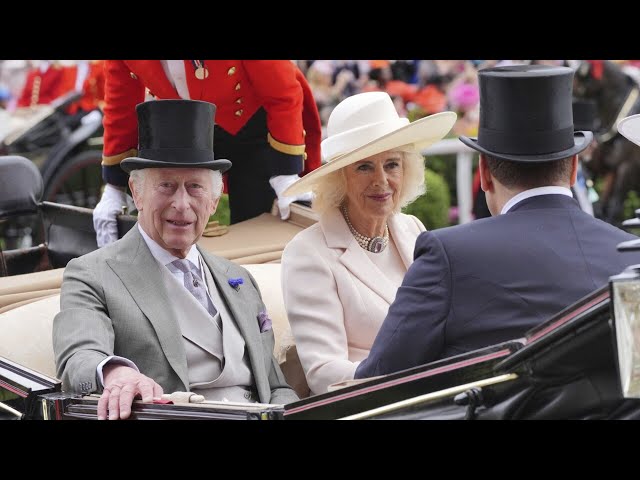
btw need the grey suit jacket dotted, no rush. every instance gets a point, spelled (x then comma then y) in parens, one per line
(113, 302)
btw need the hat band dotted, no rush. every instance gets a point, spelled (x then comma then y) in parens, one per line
(345, 142)
(177, 155)
(526, 143)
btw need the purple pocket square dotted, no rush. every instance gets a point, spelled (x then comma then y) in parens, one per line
(264, 321)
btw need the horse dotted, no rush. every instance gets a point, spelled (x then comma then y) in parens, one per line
(613, 158)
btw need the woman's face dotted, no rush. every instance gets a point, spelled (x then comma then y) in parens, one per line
(374, 185)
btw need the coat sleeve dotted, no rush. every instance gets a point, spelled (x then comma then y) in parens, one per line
(413, 333)
(122, 92)
(316, 315)
(285, 96)
(83, 334)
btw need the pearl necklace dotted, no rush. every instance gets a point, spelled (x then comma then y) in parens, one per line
(375, 244)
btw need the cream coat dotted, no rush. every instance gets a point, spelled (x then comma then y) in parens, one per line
(336, 298)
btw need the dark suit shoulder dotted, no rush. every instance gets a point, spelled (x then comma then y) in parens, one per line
(464, 233)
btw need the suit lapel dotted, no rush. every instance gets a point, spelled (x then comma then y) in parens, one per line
(354, 258)
(153, 76)
(142, 277)
(238, 307)
(404, 240)
(195, 86)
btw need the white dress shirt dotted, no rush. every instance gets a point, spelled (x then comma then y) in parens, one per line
(175, 72)
(534, 192)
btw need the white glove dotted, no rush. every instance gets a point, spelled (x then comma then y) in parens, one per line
(104, 215)
(280, 183)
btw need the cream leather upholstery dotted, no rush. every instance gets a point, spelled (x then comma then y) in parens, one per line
(25, 330)
(25, 336)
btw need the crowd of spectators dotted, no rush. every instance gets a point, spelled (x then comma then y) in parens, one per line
(418, 87)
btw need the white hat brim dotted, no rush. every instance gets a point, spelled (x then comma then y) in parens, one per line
(630, 128)
(422, 134)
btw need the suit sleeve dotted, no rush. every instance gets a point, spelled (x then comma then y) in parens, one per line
(277, 83)
(122, 93)
(83, 335)
(315, 313)
(413, 332)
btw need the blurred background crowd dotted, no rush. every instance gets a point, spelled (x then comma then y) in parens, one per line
(418, 88)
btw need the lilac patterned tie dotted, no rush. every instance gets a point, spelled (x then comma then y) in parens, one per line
(194, 283)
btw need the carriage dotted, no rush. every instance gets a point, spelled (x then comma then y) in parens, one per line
(568, 367)
(66, 149)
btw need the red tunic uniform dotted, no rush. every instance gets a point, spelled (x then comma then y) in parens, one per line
(238, 88)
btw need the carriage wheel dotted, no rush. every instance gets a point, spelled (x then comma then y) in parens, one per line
(78, 181)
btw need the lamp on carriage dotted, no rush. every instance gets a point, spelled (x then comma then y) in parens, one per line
(624, 291)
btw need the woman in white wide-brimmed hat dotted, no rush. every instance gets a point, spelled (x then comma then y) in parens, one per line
(340, 275)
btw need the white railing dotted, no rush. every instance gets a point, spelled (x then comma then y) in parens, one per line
(464, 158)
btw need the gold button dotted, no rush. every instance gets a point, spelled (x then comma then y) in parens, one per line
(133, 75)
(239, 100)
(231, 71)
(239, 113)
(237, 86)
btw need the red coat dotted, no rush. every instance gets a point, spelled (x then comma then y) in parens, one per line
(42, 88)
(92, 86)
(238, 88)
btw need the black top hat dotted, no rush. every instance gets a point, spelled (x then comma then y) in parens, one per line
(526, 114)
(175, 134)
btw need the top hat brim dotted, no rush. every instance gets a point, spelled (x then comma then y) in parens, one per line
(581, 139)
(629, 128)
(421, 134)
(136, 163)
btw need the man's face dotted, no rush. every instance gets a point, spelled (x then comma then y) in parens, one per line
(174, 206)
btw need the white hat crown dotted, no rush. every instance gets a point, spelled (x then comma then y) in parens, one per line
(358, 120)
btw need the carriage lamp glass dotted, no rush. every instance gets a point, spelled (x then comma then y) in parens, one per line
(625, 295)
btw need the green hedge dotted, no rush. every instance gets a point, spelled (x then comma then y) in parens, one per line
(432, 208)
(222, 212)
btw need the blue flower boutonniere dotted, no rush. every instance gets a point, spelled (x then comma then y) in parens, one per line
(236, 282)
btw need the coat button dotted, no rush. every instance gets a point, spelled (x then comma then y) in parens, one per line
(239, 100)
(231, 71)
(237, 86)
(133, 75)
(239, 113)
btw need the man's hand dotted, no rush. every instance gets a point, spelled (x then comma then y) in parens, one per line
(279, 184)
(104, 215)
(122, 385)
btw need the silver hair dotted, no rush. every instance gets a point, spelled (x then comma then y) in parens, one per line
(137, 177)
(331, 189)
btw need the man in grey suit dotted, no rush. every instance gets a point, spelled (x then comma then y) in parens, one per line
(152, 312)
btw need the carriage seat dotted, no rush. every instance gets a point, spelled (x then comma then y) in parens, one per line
(27, 328)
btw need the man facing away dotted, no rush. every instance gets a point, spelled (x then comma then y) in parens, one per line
(491, 280)
(152, 312)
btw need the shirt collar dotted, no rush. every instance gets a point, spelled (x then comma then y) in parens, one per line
(534, 192)
(163, 256)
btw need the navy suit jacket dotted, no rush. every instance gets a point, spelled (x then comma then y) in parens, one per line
(491, 280)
